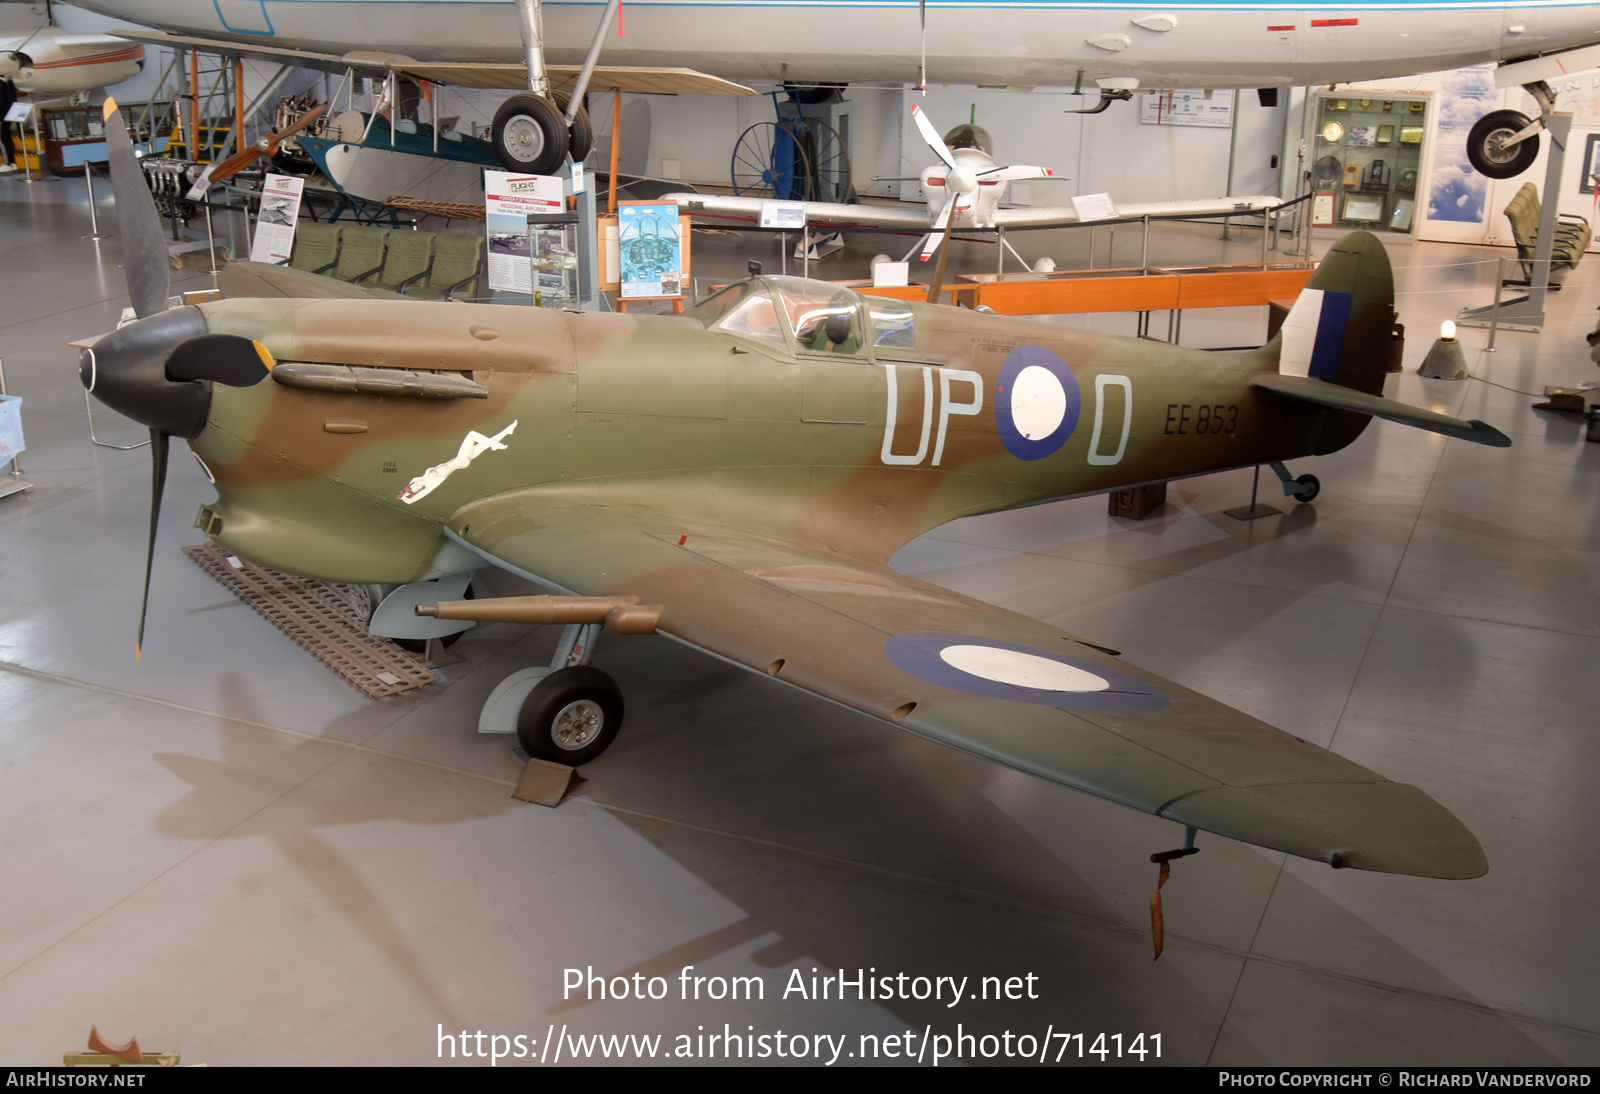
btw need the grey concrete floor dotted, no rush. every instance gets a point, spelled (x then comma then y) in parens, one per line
(227, 851)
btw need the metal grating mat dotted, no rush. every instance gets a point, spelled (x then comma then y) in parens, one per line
(318, 616)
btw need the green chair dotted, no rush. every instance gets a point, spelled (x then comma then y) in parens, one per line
(360, 253)
(457, 266)
(409, 258)
(1571, 238)
(316, 246)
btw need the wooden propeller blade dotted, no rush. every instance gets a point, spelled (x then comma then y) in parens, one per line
(129, 1051)
(245, 157)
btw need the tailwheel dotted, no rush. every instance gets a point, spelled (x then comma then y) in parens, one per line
(530, 134)
(1310, 487)
(571, 717)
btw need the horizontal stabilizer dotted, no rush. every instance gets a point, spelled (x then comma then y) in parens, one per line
(1310, 390)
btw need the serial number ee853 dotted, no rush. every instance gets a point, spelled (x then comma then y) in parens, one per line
(1184, 418)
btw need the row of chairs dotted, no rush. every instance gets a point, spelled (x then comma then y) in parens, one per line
(420, 265)
(1571, 241)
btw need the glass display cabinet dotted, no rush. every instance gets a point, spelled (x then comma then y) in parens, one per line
(1366, 160)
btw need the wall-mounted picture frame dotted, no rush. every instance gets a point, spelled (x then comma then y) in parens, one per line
(1363, 208)
(1322, 208)
(1589, 183)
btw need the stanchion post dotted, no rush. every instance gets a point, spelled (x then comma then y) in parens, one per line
(94, 216)
(1494, 313)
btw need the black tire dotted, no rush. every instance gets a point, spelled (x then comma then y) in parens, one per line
(529, 135)
(571, 717)
(580, 134)
(1487, 150)
(1313, 487)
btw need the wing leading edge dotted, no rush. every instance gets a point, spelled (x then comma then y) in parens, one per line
(978, 678)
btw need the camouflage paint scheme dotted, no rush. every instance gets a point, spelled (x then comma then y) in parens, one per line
(743, 486)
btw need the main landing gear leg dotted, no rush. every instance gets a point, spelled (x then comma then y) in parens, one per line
(567, 712)
(1302, 489)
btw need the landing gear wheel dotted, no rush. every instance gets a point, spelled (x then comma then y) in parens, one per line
(580, 134)
(529, 134)
(571, 717)
(1313, 487)
(1487, 148)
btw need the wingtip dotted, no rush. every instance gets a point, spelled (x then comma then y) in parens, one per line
(1489, 435)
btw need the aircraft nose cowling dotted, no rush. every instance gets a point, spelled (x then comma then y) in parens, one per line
(127, 370)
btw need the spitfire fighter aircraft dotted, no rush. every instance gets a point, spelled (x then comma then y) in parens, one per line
(965, 190)
(736, 478)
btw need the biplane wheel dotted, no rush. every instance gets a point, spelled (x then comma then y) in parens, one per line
(1487, 149)
(580, 134)
(529, 134)
(571, 716)
(1313, 487)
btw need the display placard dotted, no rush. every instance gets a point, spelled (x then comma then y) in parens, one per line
(783, 214)
(508, 201)
(650, 250)
(18, 112)
(280, 211)
(1207, 109)
(1094, 207)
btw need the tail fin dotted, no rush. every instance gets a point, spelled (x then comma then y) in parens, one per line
(1339, 328)
(1339, 331)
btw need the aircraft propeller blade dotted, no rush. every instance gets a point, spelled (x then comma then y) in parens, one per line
(931, 135)
(1014, 174)
(144, 247)
(158, 468)
(267, 146)
(940, 230)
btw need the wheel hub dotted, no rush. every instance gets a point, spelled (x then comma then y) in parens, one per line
(524, 138)
(1497, 148)
(577, 724)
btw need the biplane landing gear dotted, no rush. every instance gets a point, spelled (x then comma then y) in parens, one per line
(571, 716)
(1493, 150)
(530, 134)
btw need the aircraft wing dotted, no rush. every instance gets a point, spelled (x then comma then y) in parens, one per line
(970, 675)
(1047, 216)
(263, 279)
(634, 79)
(819, 214)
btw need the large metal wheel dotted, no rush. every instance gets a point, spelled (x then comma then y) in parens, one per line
(769, 162)
(830, 162)
(571, 716)
(1491, 155)
(580, 134)
(530, 135)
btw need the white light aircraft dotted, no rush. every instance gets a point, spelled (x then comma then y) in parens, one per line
(1037, 43)
(53, 61)
(964, 190)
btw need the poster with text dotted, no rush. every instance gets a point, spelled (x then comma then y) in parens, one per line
(1456, 191)
(650, 250)
(509, 200)
(1207, 109)
(280, 208)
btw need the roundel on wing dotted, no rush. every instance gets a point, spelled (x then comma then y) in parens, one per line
(1004, 670)
(1036, 403)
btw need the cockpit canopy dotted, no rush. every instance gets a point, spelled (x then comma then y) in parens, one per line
(807, 316)
(968, 135)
